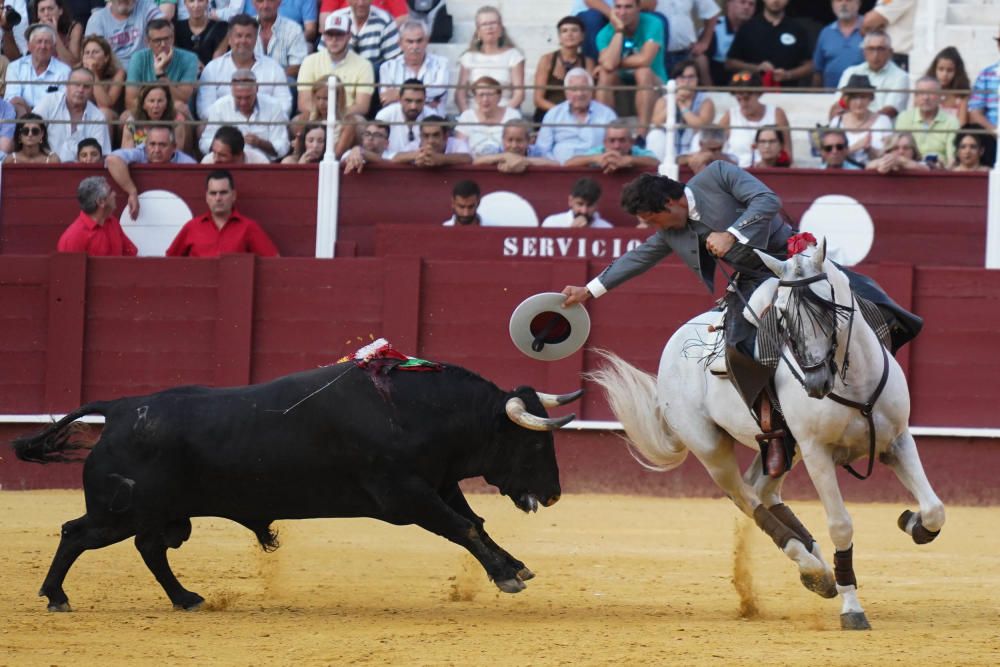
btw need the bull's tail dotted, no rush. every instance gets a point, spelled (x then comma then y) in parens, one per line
(632, 397)
(61, 441)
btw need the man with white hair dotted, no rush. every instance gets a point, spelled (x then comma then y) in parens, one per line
(415, 63)
(38, 73)
(577, 125)
(889, 79)
(261, 120)
(77, 118)
(96, 231)
(933, 128)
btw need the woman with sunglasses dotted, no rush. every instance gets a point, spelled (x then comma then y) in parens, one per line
(31, 142)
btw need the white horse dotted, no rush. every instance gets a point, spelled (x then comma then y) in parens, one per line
(687, 408)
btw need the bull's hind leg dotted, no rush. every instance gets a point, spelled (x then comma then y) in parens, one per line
(152, 546)
(458, 502)
(77, 536)
(902, 457)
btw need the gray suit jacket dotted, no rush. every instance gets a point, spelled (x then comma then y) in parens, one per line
(727, 198)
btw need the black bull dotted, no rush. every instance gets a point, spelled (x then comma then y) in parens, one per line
(393, 449)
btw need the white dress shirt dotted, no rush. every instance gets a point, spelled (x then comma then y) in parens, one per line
(220, 72)
(36, 85)
(399, 132)
(268, 121)
(64, 137)
(565, 219)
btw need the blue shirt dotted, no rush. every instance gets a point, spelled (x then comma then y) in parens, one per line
(183, 66)
(7, 113)
(984, 92)
(138, 156)
(299, 11)
(834, 53)
(562, 143)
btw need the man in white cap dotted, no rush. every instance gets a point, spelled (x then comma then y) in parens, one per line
(354, 72)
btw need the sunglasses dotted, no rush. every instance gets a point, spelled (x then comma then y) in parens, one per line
(31, 131)
(742, 77)
(833, 147)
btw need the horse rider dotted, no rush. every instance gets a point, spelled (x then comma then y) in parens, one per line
(723, 213)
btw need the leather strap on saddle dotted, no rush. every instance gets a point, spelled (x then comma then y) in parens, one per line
(772, 440)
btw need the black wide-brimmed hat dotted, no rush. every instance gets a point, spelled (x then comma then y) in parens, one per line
(858, 84)
(542, 329)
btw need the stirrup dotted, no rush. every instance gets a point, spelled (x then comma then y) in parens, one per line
(772, 441)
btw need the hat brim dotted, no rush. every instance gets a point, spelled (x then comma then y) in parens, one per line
(542, 329)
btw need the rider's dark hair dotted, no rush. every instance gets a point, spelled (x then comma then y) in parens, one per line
(649, 194)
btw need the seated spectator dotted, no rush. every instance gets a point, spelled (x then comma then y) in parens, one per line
(7, 126)
(631, 52)
(887, 78)
(310, 146)
(404, 117)
(576, 125)
(949, 69)
(735, 13)
(302, 13)
(983, 102)
(160, 148)
(838, 45)
(583, 198)
(336, 58)
(618, 152)
(281, 37)
(261, 120)
(482, 126)
(73, 117)
(834, 150)
(223, 230)
(684, 41)
(437, 148)
(970, 149)
(491, 53)
(96, 231)
(225, 10)
(203, 36)
(742, 121)
(57, 15)
(867, 130)
(932, 128)
(374, 34)
(711, 144)
(154, 106)
(774, 46)
(694, 111)
(518, 152)
(345, 128)
(415, 63)
(123, 24)
(552, 67)
(241, 55)
(465, 198)
(593, 16)
(896, 18)
(89, 151)
(39, 72)
(769, 148)
(374, 147)
(31, 142)
(901, 154)
(228, 147)
(107, 95)
(399, 9)
(13, 42)
(163, 63)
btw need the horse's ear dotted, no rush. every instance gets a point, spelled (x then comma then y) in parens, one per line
(819, 256)
(776, 265)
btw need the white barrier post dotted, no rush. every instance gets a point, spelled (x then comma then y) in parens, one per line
(669, 166)
(993, 216)
(328, 195)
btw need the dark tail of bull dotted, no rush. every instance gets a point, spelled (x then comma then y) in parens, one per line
(62, 441)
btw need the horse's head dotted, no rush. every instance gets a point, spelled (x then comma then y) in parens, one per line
(814, 303)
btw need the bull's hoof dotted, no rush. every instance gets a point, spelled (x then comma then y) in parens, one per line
(823, 585)
(59, 606)
(511, 585)
(191, 602)
(855, 620)
(524, 574)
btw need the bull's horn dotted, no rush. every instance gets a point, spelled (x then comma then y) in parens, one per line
(555, 400)
(519, 414)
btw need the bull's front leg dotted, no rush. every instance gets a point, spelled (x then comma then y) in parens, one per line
(456, 500)
(412, 501)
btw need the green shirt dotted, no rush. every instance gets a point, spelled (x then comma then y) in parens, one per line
(649, 28)
(183, 67)
(940, 143)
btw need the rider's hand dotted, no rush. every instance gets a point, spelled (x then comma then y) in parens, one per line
(719, 243)
(574, 295)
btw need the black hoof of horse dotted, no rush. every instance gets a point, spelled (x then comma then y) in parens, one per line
(904, 520)
(510, 585)
(59, 606)
(919, 534)
(855, 620)
(524, 574)
(193, 603)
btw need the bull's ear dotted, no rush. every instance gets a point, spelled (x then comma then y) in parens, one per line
(820, 255)
(776, 265)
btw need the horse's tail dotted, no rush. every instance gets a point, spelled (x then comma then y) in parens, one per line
(59, 442)
(632, 396)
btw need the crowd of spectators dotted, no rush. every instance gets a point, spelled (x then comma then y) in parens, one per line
(114, 74)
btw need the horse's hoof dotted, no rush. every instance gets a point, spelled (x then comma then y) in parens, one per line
(511, 585)
(59, 606)
(854, 620)
(524, 574)
(919, 534)
(823, 585)
(904, 520)
(193, 603)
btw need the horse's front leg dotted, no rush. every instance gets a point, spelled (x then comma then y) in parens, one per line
(823, 473)
(902, 457)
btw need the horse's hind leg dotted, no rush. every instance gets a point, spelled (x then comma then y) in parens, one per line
(77, 536)
(152, 546)
(902, 457)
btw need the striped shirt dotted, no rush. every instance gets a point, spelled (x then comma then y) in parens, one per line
(378, 39)
(984, 92)
(287, 45)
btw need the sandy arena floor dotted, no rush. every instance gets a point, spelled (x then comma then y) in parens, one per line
(626, 580)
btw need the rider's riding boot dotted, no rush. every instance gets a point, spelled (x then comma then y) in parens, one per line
(772, 440)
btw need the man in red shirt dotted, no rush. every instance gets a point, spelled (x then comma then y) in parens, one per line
(223, 229)
(96, 231)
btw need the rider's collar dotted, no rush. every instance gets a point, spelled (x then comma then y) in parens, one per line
(693, 212)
